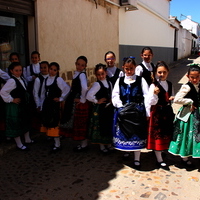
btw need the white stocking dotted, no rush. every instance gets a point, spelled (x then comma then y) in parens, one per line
(57, 141)
(27, 137)
(18, 142)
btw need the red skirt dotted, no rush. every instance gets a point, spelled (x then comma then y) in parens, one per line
(160, 127)
(80, 122)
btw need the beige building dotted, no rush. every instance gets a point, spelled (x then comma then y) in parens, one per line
(68, 29)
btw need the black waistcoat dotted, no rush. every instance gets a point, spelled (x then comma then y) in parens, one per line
(193, 94)
(19, 91)
(147, 74)
(31, 71)
(163, 96)
(41, 83)
(104, 92)
(114, 78)
(76, 87)
(52, 91)
(135, 94)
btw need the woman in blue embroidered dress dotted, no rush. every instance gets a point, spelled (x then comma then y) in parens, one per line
(130, 120)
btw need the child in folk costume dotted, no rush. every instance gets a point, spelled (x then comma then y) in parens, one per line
(146, 68)
(39, 88)
(130, 120)
(76, 109)
(31, 72)
(186, 135)
(3, 78)
(161, 115)
(56, 91)
(14, 57)
(102, 114)
(15, 94)
(113, 72)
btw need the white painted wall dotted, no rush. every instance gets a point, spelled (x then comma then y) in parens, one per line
(184, 38)
(184, 43)
(193, 27)
(147, 26)
(190, 25)
(158, 6)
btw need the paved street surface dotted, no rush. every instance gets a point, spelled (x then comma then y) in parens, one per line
(66, 175)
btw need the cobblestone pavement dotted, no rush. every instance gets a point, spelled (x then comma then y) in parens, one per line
(66, 175)
(38, 175)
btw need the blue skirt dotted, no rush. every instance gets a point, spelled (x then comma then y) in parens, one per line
(124, 143)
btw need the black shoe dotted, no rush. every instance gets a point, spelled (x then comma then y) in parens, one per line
(162, 165)
(23, 148)
(104, 151)
(136, 164)
(31, 142)
(79, 148)
(187, 163)
(111, 149)
(55, 149)
(126, 156)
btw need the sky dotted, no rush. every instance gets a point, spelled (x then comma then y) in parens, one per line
(182, 8)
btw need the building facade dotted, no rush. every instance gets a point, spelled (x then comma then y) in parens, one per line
(62, 30)
(16, 18)
(147, 26)
(194, 28)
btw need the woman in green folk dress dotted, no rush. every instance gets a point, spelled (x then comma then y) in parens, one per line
(186, 137)
(15, 95)
(102, 115)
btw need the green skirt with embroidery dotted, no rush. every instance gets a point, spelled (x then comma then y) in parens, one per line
(186, 137)
(17, 119)
(100, 130)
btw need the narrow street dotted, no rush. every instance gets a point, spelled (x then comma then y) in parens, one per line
(66, 175)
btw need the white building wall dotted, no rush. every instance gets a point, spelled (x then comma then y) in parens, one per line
(190, 25)
(194, 28)
(142, 27)
(187, 40)
(147, 26)
(158, 6)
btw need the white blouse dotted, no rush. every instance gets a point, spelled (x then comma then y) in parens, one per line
(128, 80)
(8, 87)
(4, 75)
(84, 86)
(179, 98)
(65, 88)
(139, 69)
(27, 72)
(153, 98)
(39, 100)
(94, 89)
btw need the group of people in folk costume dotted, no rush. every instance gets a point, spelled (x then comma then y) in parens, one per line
(127, 110)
